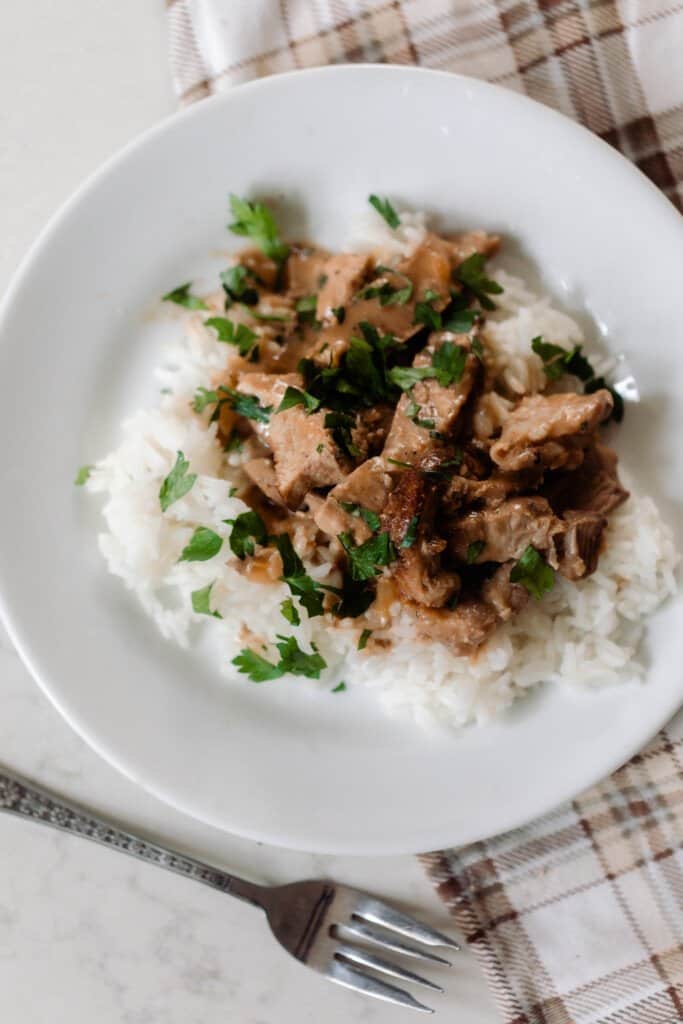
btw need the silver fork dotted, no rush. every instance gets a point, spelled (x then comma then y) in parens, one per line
(324, 925)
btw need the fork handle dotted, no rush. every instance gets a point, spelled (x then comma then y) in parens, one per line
(24, 799)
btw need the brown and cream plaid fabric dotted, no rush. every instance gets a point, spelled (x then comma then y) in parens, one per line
(577, 918)
(614, 65)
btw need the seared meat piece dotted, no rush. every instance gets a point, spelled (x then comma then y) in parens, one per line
(304, 451)
(344, 274)
(490, 414)
(261, 472)
(492, 491)
(438, 405)
(594, 486)
(552, 430)
(304, 270)
(371, 430)
(463, 629)
(368, 487)
(411, 510)
(580, 544)
(507, 598)
(505, 531)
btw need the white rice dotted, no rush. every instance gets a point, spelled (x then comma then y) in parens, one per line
(582, 634)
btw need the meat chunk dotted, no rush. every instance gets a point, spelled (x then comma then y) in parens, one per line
(343, 276)
(552, 430)
(441, 407)
(367, 487)
(490, 414)
(505, 597)
(463, 629)
(502, 533)
(304, 270)
(593, 487)
(463, 491)
(261, 472)
(304, 452)
(580, 543)
(409, 518)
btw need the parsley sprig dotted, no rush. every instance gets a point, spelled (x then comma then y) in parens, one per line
(533, 572)
(255, 221)
(471, 274)
(177, 483)
(385, 210)
(292, 660)
(182, 296)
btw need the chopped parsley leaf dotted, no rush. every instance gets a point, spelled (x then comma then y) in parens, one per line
(557, 360)
(289, 611)
(339, 313)
(413, 411)
(403, 465)
(461, 321)
(294, 574)
(341, 424)
(268, 318)
(233, 334)
(255, 221)
(202, 546)
(201, 602)
(533, 572)
(182, 296)
(339, 688)
(82, 476)
(426, 314)
(365, 558)
(202, 398)
(449, 362)
(474, 550)
(386, 292)
(366, 514)
(385, 210)
(410, 536)
(306, 307)
(248, 406)
(478, 349)
(234, 443)
(177, 483)
(296, 661)
(471, 274)
(363, 639)
(257, 668)
(404, 377)
(236, 286)
(320, 448)
(355, 598)
(247, 527)
(294, 396)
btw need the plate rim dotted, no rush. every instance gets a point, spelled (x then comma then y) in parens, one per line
(22, 645)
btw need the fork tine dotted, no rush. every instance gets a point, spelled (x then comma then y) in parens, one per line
(376, 912)
(360, 930)
(361, 958)
(348, 976)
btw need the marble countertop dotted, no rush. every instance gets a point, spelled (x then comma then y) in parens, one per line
(86, 935)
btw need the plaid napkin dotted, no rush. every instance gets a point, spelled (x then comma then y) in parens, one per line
(577, 918)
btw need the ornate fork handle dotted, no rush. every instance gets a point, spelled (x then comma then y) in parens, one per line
(26, 800)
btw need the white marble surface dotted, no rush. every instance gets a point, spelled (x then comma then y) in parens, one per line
(86, 935)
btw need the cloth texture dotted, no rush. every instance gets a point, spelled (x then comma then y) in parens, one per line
(578, 917)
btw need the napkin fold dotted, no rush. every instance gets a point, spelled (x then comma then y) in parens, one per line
(577, 918)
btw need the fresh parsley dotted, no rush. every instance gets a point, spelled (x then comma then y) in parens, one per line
(202, 546)
(413, 411)
(255, 221)
(83, 475)
(203, 397)
(366, 514)
(410, 536)
(385, 210)
(471, 274)
(478, 349)
(235, 281)
(339, 313)
(363, 639)
(460, 321)
(449, 363)
(296, 661)
(387, 293)
(339, 688)
(182, 296)
(426, 314)
(365, 559)
(474, 550)
(401, 465)
(533, 572)
(256, 667)
(294, 396)
(294, 574)
(247, 405)
(355, 597)
(201, 602)
(557, 360)
(341, 424)
(289, 611)
(233, 334)
(177, 483)
(305, 308)
(247, 528)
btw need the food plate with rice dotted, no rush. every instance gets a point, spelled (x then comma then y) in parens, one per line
(373, 562)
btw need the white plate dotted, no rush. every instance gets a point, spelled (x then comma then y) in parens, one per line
(280, 763)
